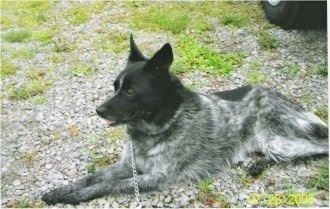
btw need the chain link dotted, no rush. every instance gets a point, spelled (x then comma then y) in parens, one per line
(135, 179)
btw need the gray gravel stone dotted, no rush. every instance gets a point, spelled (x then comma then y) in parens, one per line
(16, 182)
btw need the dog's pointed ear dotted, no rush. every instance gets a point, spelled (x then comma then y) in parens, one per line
(162, 59)
(135, 54)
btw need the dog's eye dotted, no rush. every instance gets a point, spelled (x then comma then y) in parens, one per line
(130, 92)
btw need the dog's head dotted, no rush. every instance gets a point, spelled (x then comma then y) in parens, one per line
(140, 88)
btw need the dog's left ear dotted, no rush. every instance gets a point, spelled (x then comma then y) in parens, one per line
(135, 54)
(162, 59)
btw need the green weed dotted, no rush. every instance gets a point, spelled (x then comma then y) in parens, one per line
(81, 70)
(208, 196)
(256, 65)
(17, 35)
(266, 41)
(292, 69)
(165, 18)
(34, 74)
(255, 77)
(29, 89)
(98, 160)
(196, 56)
(62, 45)
(81, 14)
(167, 22)
(7, 68)
(322, 112)
(113, 41)
(205, 186)
(39, 100)
(24, 53)
(57, 58)
(307, 98)
(29, 14)
(246, 181)
(116, 133)
(234, 19)
(45, 37)
(77, 15)
(321, 179)
(177, 17)
(320, 70)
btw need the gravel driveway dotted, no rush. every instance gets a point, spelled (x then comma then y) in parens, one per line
(48, 144)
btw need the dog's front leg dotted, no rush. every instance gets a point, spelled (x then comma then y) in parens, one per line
(146, 182)
(115, 172)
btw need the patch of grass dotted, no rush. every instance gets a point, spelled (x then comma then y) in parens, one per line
(24, 53)
(91, 168)
(177, 17)
(80, 70)
(115, 134)
(246, 181)
(113, 41)
(28, 14)
(321, 70)
(256, 65)
(80, 14)
(57, 58)
(77, 15)
(235, 19)
(62, 45)
(196, 56)
(208, 196)
(167, 22)
(321, 179)
(7, 68)
(267, 41)
(255, 76)
(322, 112)
(17, 35)
(307, 98)
(39, 100)
(29, 89)
(45, 37)
(98, 160)
(34, 74)
(292, 69)
(166, 18)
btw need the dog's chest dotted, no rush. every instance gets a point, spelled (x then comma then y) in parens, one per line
(152, 158)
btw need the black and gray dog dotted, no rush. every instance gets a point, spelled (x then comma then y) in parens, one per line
(179, 135)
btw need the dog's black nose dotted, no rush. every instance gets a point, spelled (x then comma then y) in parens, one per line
(100, 111)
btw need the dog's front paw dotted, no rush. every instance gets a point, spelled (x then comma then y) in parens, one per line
(53, 197)
(49, 199)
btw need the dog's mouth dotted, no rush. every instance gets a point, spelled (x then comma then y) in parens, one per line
(111, 122)
(127, 119)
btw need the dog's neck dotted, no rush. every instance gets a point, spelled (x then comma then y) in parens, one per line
(165, 116)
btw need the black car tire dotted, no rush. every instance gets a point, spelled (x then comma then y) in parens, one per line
(297, 14)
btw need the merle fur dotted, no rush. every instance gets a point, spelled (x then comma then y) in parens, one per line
(179, 135)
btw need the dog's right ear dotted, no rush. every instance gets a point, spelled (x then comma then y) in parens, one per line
(135, 54)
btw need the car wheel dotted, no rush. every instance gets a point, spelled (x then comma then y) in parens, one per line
(296, 14)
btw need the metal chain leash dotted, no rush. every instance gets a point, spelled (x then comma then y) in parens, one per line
(135, 180)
